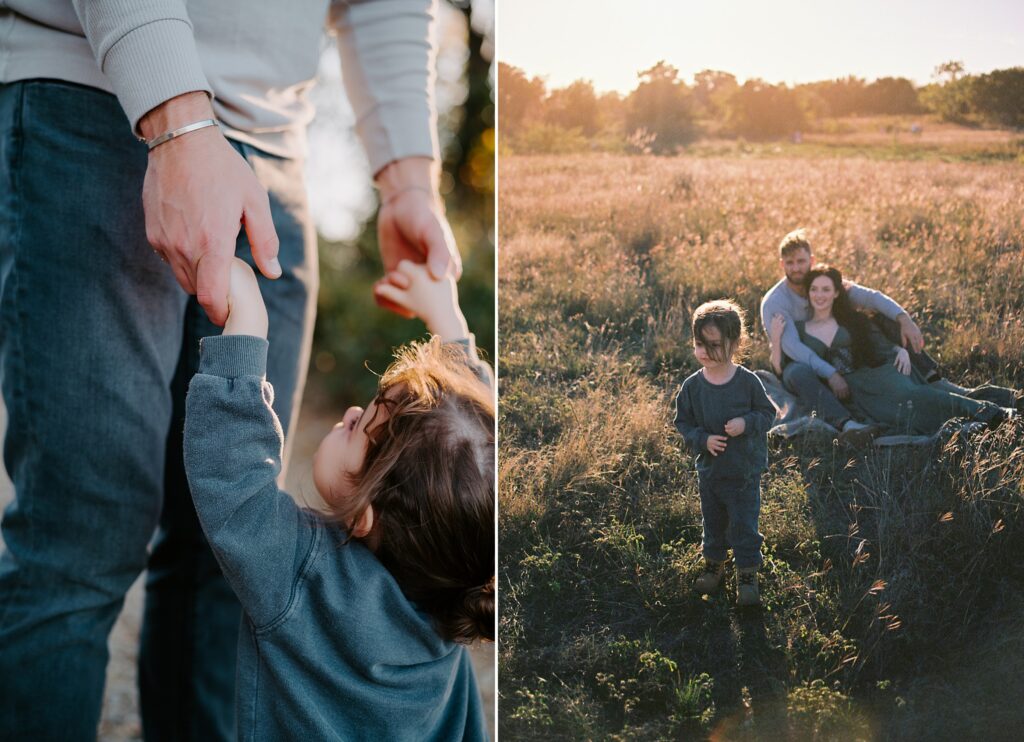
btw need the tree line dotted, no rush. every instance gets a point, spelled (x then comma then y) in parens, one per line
(664, 112)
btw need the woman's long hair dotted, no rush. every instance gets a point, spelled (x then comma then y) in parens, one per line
(856, 323)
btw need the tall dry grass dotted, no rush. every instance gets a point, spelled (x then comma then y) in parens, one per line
(893, 580)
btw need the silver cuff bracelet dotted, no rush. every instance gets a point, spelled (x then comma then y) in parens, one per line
(168, 136)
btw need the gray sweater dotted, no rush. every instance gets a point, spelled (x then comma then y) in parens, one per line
(258, 60)
(703, 409)
(782, 299)
(330, 648)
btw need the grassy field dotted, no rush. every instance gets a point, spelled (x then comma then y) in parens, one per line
(878, 138)
(892, 600)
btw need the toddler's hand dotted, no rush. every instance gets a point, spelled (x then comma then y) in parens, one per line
(435, 301)
(247, 314)
(736, 426)
(716, 444)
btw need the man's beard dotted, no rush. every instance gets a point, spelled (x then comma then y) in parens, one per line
(796, 278)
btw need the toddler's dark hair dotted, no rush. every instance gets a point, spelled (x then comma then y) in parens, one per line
(730, 320)
(429, 474)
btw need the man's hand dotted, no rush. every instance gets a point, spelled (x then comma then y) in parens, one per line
(735, 427)
(247, 314)
(838, 385)
(411, 288)
(411, 224)
(196, 193)
(910, 333)
(716, 444)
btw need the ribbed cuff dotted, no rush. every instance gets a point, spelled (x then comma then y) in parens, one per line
(232, 356)
(395, 131)
(468, 346)
(152, 64)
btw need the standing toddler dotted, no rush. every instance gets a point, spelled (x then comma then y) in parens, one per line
(354, 617)
(724, 415)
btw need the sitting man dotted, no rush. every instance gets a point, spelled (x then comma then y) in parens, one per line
(816, 384)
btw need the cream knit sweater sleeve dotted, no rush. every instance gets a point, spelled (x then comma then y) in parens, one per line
(388, 53)
(145, 48)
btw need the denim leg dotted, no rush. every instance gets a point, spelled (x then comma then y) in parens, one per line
(715, 519)
(986, 392)
(800, 379)
(90, 328)
(189, 641)
(743, 503)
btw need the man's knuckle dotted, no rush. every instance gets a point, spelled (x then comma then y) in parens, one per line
(205, 240)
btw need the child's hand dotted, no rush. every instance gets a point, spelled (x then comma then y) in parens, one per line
(736, 426)
(247, 314)
(716, 444)
(434, 301)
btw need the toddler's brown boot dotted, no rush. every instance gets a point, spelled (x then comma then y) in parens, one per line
(746, 587)
(711, 577)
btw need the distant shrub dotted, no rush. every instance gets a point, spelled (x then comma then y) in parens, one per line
(758, 110)
(999, 96)
(549, 139)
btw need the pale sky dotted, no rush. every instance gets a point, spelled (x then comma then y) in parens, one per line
(789, 41)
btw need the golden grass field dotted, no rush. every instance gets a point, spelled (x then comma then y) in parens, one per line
(892, 602)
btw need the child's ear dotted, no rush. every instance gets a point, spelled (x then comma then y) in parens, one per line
(365, 523)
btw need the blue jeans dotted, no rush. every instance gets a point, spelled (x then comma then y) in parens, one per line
(97, 346)
(730, 509)
(814, 393)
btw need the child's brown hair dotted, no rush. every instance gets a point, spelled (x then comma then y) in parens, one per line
(429, 474)
(730, 320)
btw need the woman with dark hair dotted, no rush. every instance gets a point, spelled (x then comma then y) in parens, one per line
(882, 387)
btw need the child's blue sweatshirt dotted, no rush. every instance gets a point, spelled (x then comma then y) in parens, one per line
(703, 409)
(330, 648)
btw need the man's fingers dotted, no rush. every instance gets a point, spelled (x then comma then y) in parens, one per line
(213, 280)
(183, 276)
(263, 241)
(439, 246)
